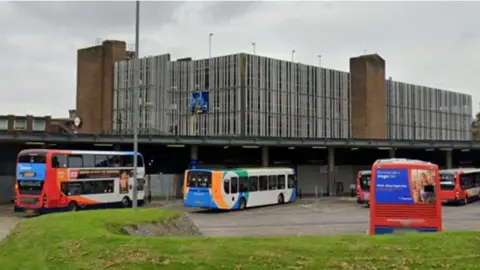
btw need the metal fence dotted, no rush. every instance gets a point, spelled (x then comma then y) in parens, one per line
(165, 186)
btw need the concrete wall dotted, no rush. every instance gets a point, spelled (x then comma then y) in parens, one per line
(313, 179)
(6, 188)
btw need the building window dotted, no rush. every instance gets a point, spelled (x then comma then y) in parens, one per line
(3, 124)
(20, 124)
(38, 125)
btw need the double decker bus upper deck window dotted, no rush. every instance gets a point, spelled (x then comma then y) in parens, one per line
(199, 179)
(94, 161)
(33, 157)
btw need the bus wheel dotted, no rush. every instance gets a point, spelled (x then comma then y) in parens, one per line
(72, 206)
(281, 199)
(243, 204)
(125, 202)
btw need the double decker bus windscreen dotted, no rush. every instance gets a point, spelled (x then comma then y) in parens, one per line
(447, 181)
(365, 182)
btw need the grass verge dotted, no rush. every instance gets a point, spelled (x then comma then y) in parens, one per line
(92, 240)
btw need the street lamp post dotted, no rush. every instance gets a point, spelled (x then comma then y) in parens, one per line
(253, 45)
(210, 45)
(320, 60)
(136, 90)
(293, 55)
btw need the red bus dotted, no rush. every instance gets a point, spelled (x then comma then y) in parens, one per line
(50, 180)
(363, 187)
(403, 197)
(459, 186)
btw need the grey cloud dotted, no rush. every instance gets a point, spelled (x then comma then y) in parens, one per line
(433, 44)
(223, 12)
(81, 17)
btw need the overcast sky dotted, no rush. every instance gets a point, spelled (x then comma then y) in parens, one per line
(432, 44)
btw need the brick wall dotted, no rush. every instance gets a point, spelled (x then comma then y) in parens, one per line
(368, 97)
(95, 74)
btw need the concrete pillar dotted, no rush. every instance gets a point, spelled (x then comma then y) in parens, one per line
(194, 157)
(391, 153)
(331, 171)
(448, 159)
(265, 160)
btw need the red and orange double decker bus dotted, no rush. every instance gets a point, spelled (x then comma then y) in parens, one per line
(459, 186)
(49, 180)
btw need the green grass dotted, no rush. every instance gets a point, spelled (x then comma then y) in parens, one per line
(92, 240)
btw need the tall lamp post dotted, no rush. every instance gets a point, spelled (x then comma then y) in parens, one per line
(136, 90)
(293, 55)
(253, 45)
(210, 45)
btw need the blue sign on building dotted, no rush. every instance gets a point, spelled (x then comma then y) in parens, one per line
(199, 102)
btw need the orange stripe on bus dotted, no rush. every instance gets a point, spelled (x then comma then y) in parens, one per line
(217, 186)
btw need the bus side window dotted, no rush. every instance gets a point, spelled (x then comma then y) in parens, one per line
(114, 161)
(234, 185)
(88, 161)
(59, 161)
(292, 181)
(101, 161)
(281, 181)
(253, 183)
(64, 188)
(272, 182)
(75, 161)
(127, 161)
(243, 184)
(476, 180)
(226, 186)
(466, 181)
(263, 183)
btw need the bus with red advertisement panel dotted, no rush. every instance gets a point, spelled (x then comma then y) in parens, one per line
(459, 186)
(51, 180)
(363, 187)
(403, 197)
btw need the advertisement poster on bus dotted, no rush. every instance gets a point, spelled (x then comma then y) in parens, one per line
(398, 186)
(123, 174)
(423, 186)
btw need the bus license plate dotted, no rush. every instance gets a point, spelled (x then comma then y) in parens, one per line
(30, 211)
(199, 202)
(29, 174)
(444, 201)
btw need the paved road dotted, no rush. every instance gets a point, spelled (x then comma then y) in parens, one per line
(8, 220)
(324, 217)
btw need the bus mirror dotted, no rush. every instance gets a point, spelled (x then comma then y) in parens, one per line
(130, 187)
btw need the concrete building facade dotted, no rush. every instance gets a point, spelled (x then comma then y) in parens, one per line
(257, 96)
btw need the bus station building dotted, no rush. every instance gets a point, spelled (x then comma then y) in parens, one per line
(328, 124)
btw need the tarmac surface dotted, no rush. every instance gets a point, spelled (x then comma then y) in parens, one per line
(322, 217)
(8, 220)
(327, 216)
